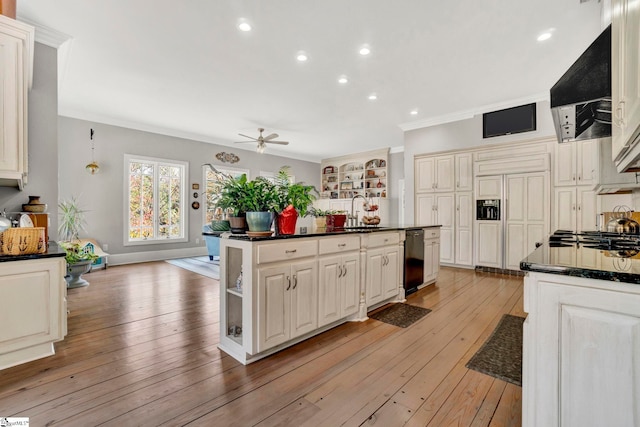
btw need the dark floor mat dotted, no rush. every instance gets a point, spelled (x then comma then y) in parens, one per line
(402, 315)
(501, 355)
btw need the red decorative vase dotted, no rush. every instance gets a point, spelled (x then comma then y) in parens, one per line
(287, 220)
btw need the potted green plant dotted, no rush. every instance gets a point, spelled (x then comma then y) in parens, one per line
(262, 197)
(233, 197)
(321, 217)
(293, 200)
(71, 221)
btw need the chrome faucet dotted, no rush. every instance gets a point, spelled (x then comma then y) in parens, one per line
(353, 220)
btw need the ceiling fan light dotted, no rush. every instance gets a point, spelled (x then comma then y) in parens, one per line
(261, 147)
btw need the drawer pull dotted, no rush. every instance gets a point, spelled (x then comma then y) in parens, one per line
(289, 283)
(293, 251)
(342, 245)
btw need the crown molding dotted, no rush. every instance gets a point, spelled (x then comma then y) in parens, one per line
(45, 35)
(469, 114)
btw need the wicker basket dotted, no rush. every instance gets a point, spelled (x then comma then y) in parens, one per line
(23, 241)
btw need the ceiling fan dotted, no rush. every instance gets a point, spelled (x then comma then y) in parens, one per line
(263, 140)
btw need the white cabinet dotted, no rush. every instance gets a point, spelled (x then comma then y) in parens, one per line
(576, 163)
(16, 59)
(489, 243)
(489, 187)
(431, 255)
(464, 172)
(625, 68)
(339, 279)
(287, 302)
(580, 352)
(34, 309)
(382, 267)
(439, 209)
(464, 229)
(575, 209)
(435, 174)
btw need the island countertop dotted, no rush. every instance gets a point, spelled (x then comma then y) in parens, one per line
(53, 250)
(337, 231)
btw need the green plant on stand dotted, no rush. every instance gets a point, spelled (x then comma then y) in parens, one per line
(262, 198)
(71, 221)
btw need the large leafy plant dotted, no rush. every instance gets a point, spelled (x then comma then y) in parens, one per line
(299, 195)
(239, 195)
(71, 219)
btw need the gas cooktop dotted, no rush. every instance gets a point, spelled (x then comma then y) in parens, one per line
(597, 240)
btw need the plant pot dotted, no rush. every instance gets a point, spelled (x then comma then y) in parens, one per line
(321, 223)
(287, 221)
(74, 274)
(336, 221)
(238, 224)
(259, 221)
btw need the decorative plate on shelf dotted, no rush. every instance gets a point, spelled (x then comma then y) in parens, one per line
(25, 221)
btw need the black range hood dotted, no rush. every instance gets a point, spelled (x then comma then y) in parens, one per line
(581, 99)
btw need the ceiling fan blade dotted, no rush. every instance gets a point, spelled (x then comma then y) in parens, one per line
(278, 142)
(242, 142)
(272, 136)
(247, 136)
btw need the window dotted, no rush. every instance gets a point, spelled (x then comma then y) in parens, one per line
(156, 200)
(210, 181)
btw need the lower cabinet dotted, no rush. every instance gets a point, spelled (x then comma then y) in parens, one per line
(382, 274)
(580, 352)
(431, 257)
(34, 309)
(339, 287)
(287, 302)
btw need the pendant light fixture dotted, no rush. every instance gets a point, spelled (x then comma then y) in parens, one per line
(92, 167)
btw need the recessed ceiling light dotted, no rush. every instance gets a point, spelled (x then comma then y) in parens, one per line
(414, 112)
(301, 56)
(373, 97)
(544, 36)
(364, 50)
(343, 80)
(244, 26)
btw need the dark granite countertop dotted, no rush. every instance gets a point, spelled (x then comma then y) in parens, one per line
(579, 261)
(339, 231)
(53, 250)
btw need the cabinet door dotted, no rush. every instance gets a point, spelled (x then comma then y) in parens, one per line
(587, 210)
(274, 314)
(425, 174)
(565, 164)
(328, 290)
(625, 68)
(464, 229)
(425, 209)
(565, 209)
(304, 298)
(350, 285)
(391, 271)
(587, 162)
(375, 261)
(445, 216)
(489, 187)
(10, 100)
(431, 259)
(445, 172)
(464, 172)
(489, 244)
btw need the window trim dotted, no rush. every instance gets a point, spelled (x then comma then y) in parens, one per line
(223, 169)
(183, 200)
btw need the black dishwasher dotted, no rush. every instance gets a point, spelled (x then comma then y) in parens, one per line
(413, 260)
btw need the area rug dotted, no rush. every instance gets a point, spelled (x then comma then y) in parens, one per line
(501, 354)
(200, 265)
(402, 315)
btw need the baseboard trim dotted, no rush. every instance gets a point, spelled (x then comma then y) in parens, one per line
(136, 257)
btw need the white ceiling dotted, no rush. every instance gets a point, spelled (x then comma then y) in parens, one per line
(184, 69)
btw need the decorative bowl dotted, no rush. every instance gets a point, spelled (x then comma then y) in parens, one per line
(35, 208)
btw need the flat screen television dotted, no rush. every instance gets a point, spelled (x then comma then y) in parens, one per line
(509, 121)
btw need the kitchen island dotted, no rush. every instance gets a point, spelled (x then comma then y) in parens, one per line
(34, 307)
(581, 346)
(279, 290)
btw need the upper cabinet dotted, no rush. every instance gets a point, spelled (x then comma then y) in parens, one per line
(16, 68)
(364, 174)
(576, 163)
(464, 172)
(435, 174)
(625, 69)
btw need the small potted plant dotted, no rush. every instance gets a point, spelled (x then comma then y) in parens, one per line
(261, 200)
(71, 221)
(233, 198)
(293, 200)
(321, 217)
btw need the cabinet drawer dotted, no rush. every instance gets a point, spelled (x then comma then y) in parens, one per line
(272, 252)
(383, 239)
(339, 244)
(430, 233)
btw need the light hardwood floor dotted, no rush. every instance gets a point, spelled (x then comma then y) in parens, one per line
(141, 350)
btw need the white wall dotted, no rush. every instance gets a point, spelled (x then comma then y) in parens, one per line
(102, 194)
(458, 136)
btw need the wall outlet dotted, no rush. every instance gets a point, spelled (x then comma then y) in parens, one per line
(105, 247)
(303, 230)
